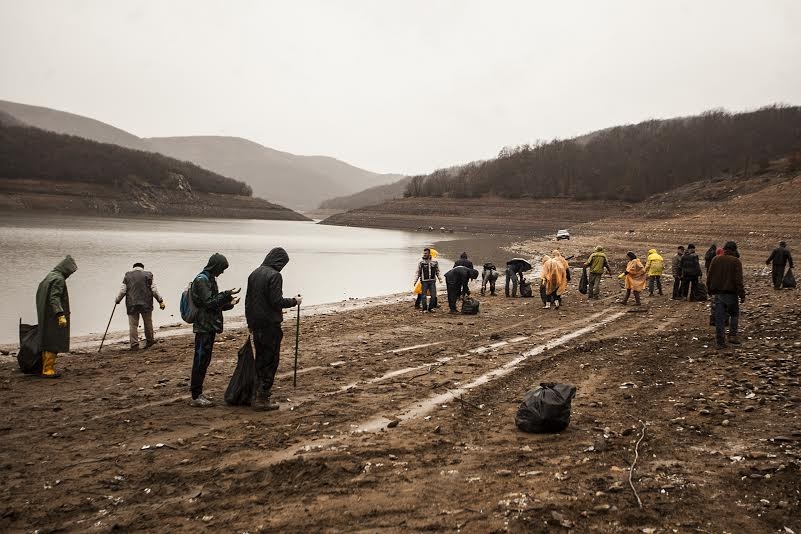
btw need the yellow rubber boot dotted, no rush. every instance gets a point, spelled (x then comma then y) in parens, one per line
(49, 365)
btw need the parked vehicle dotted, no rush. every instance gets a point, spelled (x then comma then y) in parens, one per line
(562, 234)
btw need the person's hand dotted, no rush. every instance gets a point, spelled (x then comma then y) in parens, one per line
(162, 305)
(117, 301)
(62, 321)
(742, 299)
(235, 301)
(298, 300)
(235, 290)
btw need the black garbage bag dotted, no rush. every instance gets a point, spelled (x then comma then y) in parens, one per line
(242, 387)
(29, 357)
(525, 289)
(700, 293)
(546, 408)
(789, 279)
(470, 306)
(584, 283)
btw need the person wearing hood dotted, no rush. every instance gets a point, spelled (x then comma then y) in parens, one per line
(635, 278)
(552, 281)
(710, 254)
(456, 281)
(556, 255)
(138, 289)
(264, 305)
(210, 303)
(597, 262)
(654, 267)
(778, 260)
(53, 311)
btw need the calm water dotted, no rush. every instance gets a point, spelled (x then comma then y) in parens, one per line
(327, 263)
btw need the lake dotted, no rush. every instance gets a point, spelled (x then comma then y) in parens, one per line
(327, 263)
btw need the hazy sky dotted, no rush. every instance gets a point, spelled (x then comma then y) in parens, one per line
(404, 86)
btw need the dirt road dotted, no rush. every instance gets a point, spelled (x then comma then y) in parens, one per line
(114, 446)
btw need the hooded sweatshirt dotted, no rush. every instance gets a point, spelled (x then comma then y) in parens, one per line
(265, 300)
(208, 298)
(655, 264)
(52, 300)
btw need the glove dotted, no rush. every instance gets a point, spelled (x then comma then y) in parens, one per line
(298, 300)
(235, 290)
(62, 321)
(162, 305)
(235, 301)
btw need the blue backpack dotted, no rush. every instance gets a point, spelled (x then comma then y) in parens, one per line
(189, 310)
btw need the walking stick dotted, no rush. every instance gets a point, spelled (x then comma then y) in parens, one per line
(109, 324)
(297, 342)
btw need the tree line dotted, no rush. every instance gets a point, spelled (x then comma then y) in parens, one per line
(32, 153)
(626, 162)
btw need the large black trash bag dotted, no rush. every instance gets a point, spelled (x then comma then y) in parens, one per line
(29, 357)
(470, 306)
(546, 408)
(525, 289)
(584, 283)
(789, 279)
(242, 386)
(701, 292)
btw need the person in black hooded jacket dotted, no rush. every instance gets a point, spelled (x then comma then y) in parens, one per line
(210, 302)
(456, 281)
(264, 304)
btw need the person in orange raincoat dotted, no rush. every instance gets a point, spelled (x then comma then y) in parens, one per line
(553, 280)
(558, 258)
(636, 277)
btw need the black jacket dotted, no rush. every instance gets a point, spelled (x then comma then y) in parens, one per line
(208, 298)
(463, 262)
(459, 277)
(690, 266)
(780, 256)
(265, 300)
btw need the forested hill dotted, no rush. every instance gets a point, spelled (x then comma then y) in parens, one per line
(627, 162)
(31, 153)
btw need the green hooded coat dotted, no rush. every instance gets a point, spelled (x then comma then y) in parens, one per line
(208, 298)
(52, 300)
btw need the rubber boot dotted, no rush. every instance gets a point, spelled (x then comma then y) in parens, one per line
(49, 365)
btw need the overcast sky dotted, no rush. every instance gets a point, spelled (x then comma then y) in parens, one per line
(404, 86)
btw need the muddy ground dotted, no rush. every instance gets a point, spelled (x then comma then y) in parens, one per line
(404, 422)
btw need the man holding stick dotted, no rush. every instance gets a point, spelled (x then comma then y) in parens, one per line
(264, 304)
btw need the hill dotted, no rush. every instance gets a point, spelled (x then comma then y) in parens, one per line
(44, 170)
(301, 182)
(627, 162)
(369, 197)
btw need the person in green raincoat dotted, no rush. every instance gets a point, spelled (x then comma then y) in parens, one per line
(53, 311)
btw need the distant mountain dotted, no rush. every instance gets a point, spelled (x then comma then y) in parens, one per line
(369, 197)
(300, 182)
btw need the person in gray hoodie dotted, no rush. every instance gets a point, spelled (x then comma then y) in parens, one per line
(264, 305)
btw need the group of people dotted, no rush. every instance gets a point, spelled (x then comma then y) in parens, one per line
(264, 304)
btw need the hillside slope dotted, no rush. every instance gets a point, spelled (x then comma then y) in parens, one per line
(369, 197)
(43, 170)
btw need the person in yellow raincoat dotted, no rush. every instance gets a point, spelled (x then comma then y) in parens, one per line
(553, 280)
(556, 255)
(418, 288)
(635, 278)
(654, 266)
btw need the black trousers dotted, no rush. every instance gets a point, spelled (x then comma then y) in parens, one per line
(686, 290)
(267, 343)
(454, 292)
(676, 287)
(778, 275)
(204, 343)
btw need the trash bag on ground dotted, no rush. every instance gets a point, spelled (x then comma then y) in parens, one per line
(470, 306)
(700, 293)
(584, 283)
(546, 408)
(29, 357)
(525, 289)
(242, 387)
(789, 279)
